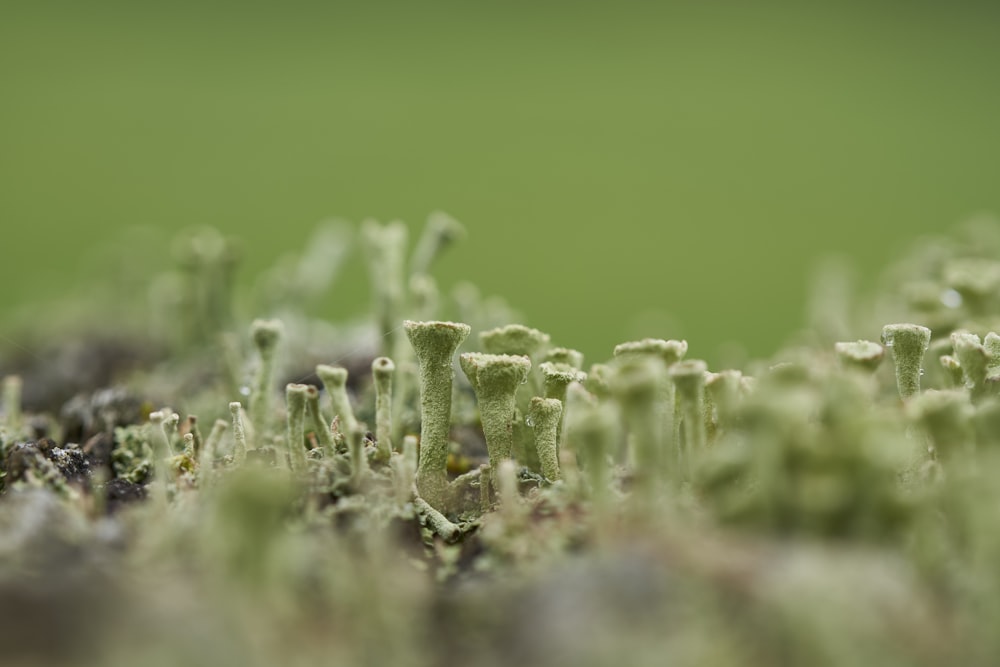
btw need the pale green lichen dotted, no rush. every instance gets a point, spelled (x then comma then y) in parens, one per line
(545, 416)
(334, 379)
(265, 334)
(435, 344)
(973, 359)
(320, 427)
(810, 481)
(295, 401)
(670, 351)
(383, 371)
(689, 379)
(385, 248)
(514, 340)
(637, 387)
(564, 355)
(863, 355)
(908, 343)
(12, 403)
(440, 232)
(239, 434)
(495, 378)
(206, 460)
(359, 459)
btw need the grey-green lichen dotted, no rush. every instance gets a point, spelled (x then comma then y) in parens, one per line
(334, 379)
(383, 370)
(789, 511)
(908, 343)
(266, 334)
(435, 344)
(545, 415)
(295, 400)
(496, 378)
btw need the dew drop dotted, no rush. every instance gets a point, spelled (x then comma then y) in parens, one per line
(951, 299)
(529, 422)
(245, 391)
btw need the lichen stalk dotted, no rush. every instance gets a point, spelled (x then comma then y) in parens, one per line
(359, 460)
(434, 344)
(334, 379)
(383, 370)
(637, 387)
(592, 431)
(689, 380)
(439, 233)
(545, 415)
(495, 378)
(295, 400)
(239, 434)
(385, 248)
(12, 389)
(974, 361)
(266, 335)
(314, 414)
(908, 343)
(206, 458)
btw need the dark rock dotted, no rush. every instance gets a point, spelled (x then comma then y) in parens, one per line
(120, 492)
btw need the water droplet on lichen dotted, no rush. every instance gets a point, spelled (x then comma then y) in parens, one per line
(951, 298)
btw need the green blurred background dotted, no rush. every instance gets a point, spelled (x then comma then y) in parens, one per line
(624, 169)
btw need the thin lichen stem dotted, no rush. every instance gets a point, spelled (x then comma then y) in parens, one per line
(404, 469)
(197, 441)
(359, 460)
(385, 248)
(266, 335)
(637, 387)
(974, 360)
(485, 497)
(495, 378)
(206, 458)
(556, 377)
(689, 379)
(239, 435)
(12, 387)
(383, 371)
(314, 413)
(440, 232)
(334, 379)
(546, 415)
(160, 442)
(508, 491)
(908, 343)
(591, 429)
(295, 399)
(434, 344)
(665, 353)
(436, 521)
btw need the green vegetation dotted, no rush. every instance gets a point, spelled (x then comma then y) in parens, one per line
(819, 508)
